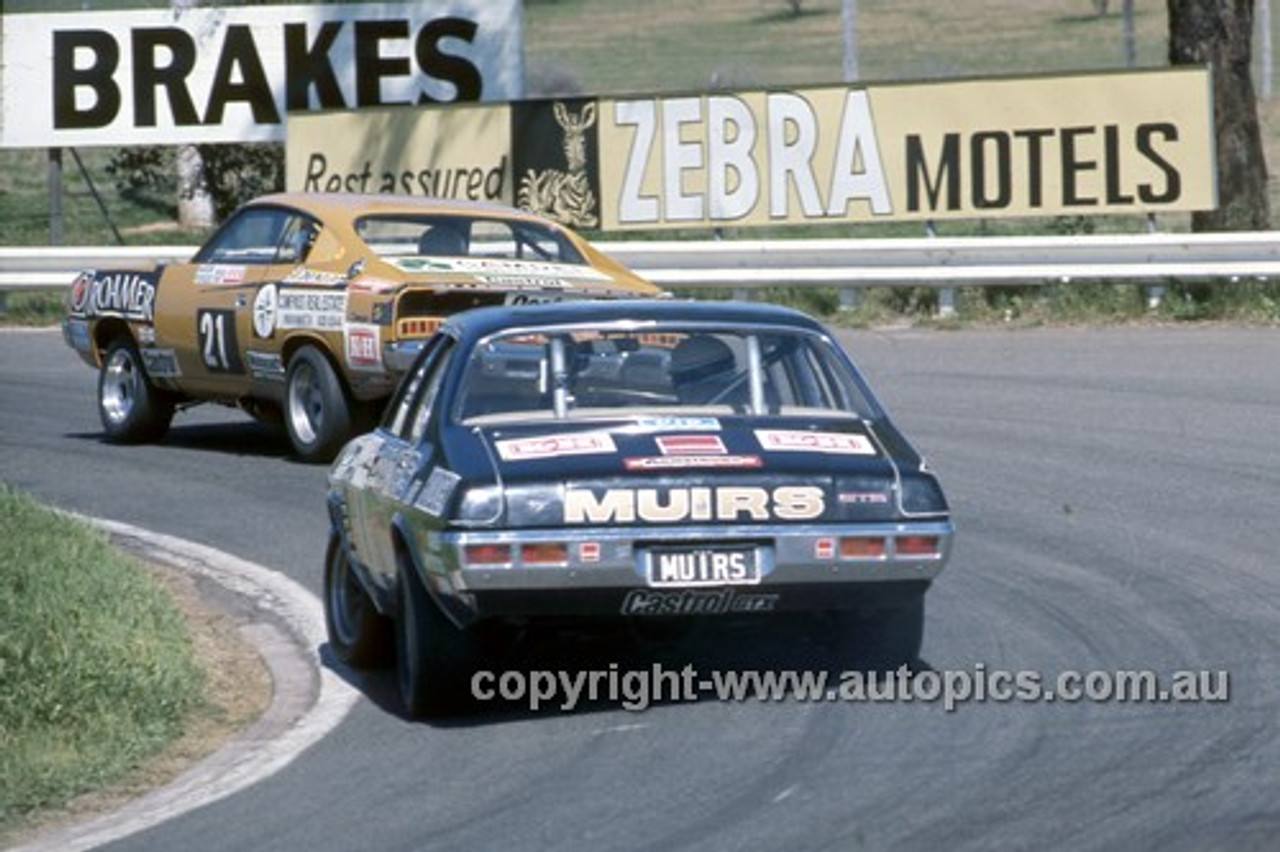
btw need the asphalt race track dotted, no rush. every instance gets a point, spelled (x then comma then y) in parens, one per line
(1117, 494)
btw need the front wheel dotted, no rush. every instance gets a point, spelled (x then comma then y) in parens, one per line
(317, 414)
(131, 409)
(359, 635)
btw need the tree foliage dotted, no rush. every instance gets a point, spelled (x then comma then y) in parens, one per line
(235, 173)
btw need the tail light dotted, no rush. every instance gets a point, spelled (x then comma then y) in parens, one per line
(544, 553)
(418, 326)
(918, 545)
(862, 548)
(487, 554)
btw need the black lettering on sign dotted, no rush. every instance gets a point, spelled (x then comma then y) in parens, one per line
(70, 78)
(219, 348)
(239, 58)
(443, 66)
(1172, 190)
(1073, 163)
(992, 153)
(1035, 162)
(149, 75)
(1115, 192)
(371, 65)
(309, 65)
(949, 172)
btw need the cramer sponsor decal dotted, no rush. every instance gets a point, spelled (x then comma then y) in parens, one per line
(318, 311)
(696, 503)
(797, 441)
(696, 602)
(554, 446)
(131, 295)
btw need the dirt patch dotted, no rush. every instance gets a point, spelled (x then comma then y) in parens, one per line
(238, 690)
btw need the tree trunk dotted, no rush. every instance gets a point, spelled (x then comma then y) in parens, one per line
(195, 203)
(1218, 33)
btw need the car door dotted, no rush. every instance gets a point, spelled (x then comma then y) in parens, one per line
(205, 309)
(408, 453)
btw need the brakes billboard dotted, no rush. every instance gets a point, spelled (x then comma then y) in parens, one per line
(232, 73)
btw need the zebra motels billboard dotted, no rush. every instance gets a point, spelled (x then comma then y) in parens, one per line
(1085, 144)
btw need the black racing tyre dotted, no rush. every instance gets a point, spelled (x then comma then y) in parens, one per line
(317, 413)
(434, 658)
(883, 639)
(132, 410)
(359, 635)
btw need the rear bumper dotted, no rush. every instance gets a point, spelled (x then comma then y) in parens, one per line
(607, 570)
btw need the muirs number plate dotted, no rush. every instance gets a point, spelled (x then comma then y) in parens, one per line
(702, 566)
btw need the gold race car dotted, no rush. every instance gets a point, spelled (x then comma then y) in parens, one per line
(307, 308)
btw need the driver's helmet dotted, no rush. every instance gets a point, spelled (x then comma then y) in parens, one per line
(701, 365)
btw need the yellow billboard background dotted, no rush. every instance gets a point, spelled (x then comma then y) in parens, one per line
(461, 152)
(1087, 144)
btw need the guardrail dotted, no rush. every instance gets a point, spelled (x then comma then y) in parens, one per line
(943, 262)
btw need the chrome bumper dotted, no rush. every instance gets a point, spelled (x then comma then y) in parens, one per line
(618, 558)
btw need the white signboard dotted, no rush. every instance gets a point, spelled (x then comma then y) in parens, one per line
(231, 74)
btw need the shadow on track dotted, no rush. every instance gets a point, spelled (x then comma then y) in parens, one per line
(637, 671)
(246, 438)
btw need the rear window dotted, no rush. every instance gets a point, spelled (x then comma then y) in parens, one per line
(585, 373)
(462, 236)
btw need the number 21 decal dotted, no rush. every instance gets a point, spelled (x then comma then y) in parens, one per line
(219, 348)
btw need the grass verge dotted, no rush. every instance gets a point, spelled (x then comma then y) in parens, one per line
(97, 667)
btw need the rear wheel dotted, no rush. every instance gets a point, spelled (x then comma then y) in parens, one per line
(317, 413)
(883, 639)
(131, 409)
(359, 635)
(434, 658)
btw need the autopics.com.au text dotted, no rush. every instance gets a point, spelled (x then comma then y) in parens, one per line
(639, 689)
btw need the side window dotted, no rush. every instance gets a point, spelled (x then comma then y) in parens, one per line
(299, 234)
(252, 236)
(421, 417)
(410, 413)
(398, 410)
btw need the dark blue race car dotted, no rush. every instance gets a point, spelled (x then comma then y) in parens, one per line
(648, 460)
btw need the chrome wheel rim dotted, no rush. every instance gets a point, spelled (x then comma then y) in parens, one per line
(306, 404)
(119, 394)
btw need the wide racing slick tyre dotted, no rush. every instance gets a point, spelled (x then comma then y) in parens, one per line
(132, 410)
(317, 413)
(359, 635)
(434, 658)
(883, 639)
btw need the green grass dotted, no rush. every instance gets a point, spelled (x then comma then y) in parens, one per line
(31, 307)
(95, 664)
